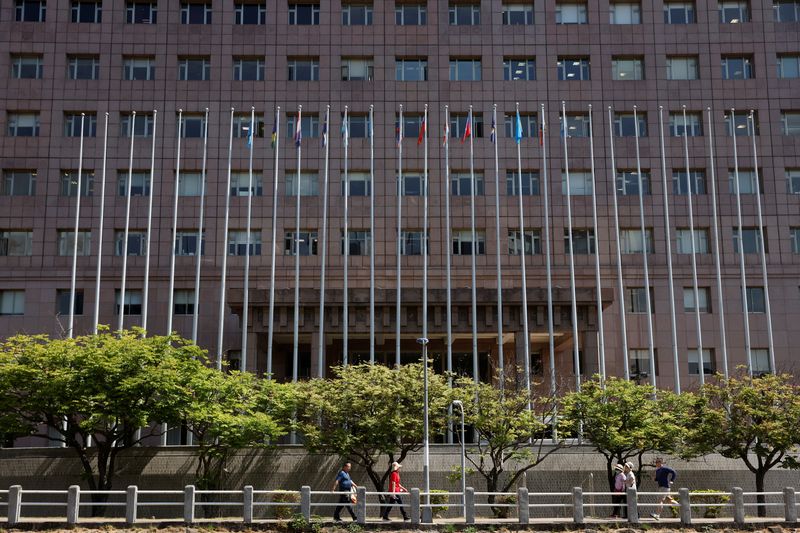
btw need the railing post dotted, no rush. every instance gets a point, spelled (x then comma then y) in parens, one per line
(414, 510)
(14, 504)
(790, 501)
(247, 504)
(131, 504)
(469, 502)
(73, 502)
(305, 502)
(737, 495)
(523, 505)
(577, 505)
(361, 505)
(188, 504)
(633, 506)
(685, 500)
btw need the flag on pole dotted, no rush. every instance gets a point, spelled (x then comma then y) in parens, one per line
(325, 132)
(421, 136)
(274, 140)
(493, 134)
(345, 131)
(446, 134)
(398, 133)
(541, 134)
(467, 128)
(518, 128)
(298, 131)
(250, 135)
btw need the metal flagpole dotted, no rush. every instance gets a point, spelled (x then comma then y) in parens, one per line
(526, 367)
(473, 250)
(321, 346)
(670, 278)
(717, 265)
(573, 298)
(425, 234)
(71, 326)
(296, 249)
(742, 272)
(199, 246)
(277, 136)
(146, 290)
(371, 234)
(171, 295)
(695, 289)
(500, 355)
(620, 284)
(345, 291)
(650, 347)
(448, 252)
(127, 227)
(762, 249)
(548, 258)
(221, 324)
(100, 231)
(246, 289)
(398, 280)
(600, 329)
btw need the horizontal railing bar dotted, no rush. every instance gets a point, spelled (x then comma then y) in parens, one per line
(487, 493)
(276, 504)
(531, 494)
(218, 492)
(550, 505)
(107, 492)
(43, 504)
(765, 504)
(107, 504)
(161, 492)
(492, 505)
(64, 492)
(762, 494)
(159, 504)
(218, 504)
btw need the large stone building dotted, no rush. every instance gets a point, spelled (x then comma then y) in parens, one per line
(61, 59)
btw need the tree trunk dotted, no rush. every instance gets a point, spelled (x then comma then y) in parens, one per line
(760, 475)
(610, 473)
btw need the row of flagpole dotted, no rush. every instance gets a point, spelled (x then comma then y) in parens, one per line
(691, 189)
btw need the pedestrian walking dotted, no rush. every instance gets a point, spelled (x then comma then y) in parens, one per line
(344, 485)
(618, 498)
(664, 477)
(395, 488)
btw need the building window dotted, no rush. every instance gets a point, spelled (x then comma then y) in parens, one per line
(759, 358)
(703, 296)
(141, 13)
(458, 123)
(357, 69)
(627, 68)
(517, 14)
(63, 297)
(133, 302)
(794, 234)
(530, 183)
(529, 124)
(88, 12)
(533, 242)
(465, 14)
(577, 124)
(786, 10)
(639, 361)
(358, 125)
(625, 124)
(582, 241)
(411, 69)
(19, 183)
(27, 66)
(679, 13)
(465, 70)
(734, 12)
(139, 68)
(412, 184)
(303, 69)
(358, 242)
(580, 183)
(241, 125)
(251, 14)
(751, 241)
(309, 183)
(790, 123)
(747, 182)
(190, 183)
(709, 363)
(359, 183)
(737, 68)
(72, 125)
(462, 242)
(83, 67)
(788, 66)
(238, 243)
(793, 180)
(630, 241)
(625, 13)
(186, 243)
(194, 125)
(23, 124)
(194, 68)
(693, 125)
(636, 300)
(141, 127)
(303, 14)
(461, 183)
(183, 302)
(683, 241)
(140, 183)
(410, 14)
(240, 183)
(412, 122)
(66, 242)
(628, 182)
(756, 302)
(357, 15)
(248, 68)
(12, 302)
(137, 242)
(571, 13)
(195, 13)
(411, 243)
(308, 123)
(574, 68)
(16, 243)
(30, 10)
(740, 125)
(680, 185)
(69, 183)
(682, 68)
(304, 242)
(519, 69)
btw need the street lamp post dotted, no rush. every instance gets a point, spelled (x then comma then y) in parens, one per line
(457, 403)
(427, 514)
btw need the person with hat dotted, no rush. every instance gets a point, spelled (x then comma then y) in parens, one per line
(395, 488)
(618, 498)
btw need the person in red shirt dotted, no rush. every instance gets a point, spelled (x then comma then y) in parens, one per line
(395, 488)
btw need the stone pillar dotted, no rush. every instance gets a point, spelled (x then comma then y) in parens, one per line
(131, 504)
(247, 504)
(523, 506)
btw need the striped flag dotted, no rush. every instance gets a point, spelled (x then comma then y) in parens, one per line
(298, 131)
(421, 132)
(467, 128)
(325, 132)
(446, 133)
(493, 134)
(398, 133)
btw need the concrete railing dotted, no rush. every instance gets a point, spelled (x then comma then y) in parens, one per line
(576, 507)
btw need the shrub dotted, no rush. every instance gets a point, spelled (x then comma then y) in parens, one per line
(285, 512)
(439, 501)
(503, 512)
(713, 499)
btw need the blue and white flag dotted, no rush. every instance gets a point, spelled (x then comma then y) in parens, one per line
(518, 129)
(298, 131)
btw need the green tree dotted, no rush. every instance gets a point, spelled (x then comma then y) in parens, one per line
(97, 388)
(623, 419)
(371, 414)
(510, 435)
(754, 419)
